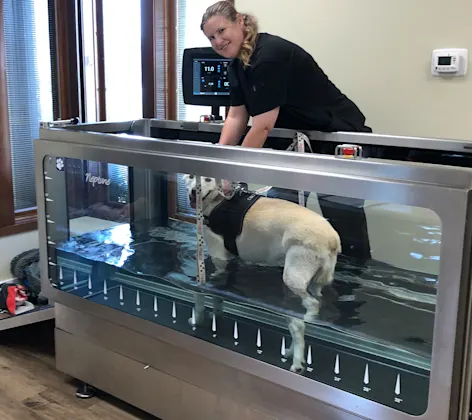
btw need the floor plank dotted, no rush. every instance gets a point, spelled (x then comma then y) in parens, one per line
(32, 388)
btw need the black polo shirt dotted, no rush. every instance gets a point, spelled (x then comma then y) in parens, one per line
(282, 74)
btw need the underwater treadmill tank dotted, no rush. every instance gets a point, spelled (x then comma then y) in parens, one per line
(126, 236)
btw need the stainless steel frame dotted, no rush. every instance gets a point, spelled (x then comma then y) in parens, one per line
(445, 190)
(139, 126)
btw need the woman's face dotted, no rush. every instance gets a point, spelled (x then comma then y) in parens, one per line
(226, 37)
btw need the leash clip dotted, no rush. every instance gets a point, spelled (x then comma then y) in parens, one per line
(234, 188)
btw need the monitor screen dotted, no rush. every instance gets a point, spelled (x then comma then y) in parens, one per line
(205, 78)
(210, 76)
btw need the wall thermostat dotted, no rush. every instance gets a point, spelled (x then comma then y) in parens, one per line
(450, 62)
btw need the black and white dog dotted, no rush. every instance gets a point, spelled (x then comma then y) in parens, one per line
(272, 232)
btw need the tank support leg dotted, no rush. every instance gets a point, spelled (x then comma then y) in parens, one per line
(85, 391)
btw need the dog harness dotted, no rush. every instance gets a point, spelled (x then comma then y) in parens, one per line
(227, 218)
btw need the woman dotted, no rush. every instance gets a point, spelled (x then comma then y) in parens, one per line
(279, 84)
(274, 81)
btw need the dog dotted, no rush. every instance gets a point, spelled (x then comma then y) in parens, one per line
(274, 232)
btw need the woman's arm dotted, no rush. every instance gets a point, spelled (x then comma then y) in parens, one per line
(234, 126)
(261, 126)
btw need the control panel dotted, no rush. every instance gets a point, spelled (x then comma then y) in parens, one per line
(449, 62)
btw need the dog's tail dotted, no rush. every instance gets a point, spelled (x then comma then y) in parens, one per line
(334, 244)
(325, 274)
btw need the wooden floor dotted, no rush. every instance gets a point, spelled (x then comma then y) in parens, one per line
(31, 387)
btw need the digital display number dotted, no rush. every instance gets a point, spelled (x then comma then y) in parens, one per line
(211, 77)
(444, 61)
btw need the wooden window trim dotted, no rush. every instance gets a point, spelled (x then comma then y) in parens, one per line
(24, 222)
(67, 59)
(7, 212)
(12, 222)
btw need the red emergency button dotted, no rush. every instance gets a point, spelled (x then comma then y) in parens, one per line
(206, 118)
(348, 151)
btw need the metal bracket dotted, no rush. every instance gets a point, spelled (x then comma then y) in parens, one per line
(59, 123)
(299, 144)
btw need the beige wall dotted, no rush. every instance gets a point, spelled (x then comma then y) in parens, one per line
(379, 54)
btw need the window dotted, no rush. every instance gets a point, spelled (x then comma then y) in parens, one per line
(120, 71)
(189, 35)
(113, 33)
(122, 52)
(29, 87)
(123, 76)
(90, 60)
(120, 63)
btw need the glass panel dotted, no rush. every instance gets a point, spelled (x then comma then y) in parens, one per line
(272, 285)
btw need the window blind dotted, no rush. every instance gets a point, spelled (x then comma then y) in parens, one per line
(161, 51)
(119, 186)
(28, 68)
(189, 16)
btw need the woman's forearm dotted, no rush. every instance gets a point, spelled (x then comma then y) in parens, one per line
(234, 127)
(256, 137)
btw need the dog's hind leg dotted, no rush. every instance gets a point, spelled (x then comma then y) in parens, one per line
(301, 264)
(324, 275)
(297, 347)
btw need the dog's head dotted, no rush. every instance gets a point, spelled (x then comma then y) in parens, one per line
(209, 189)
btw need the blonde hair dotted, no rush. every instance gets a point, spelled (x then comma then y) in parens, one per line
(251, 27)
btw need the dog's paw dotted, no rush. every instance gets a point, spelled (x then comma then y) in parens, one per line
(196, 323)
(310, 316)
(297, 368)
